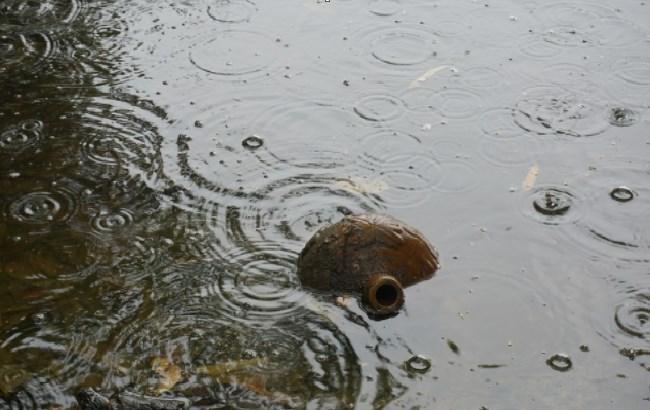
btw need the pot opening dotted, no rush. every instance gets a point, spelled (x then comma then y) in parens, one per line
(386, 295)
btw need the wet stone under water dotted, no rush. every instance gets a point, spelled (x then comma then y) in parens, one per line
(162, 164)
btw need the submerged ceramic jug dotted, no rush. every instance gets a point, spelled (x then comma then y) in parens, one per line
(374, 255)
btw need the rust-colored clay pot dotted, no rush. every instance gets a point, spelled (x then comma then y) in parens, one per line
(374, 255)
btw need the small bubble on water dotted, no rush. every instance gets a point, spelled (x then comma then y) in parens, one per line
(560, 362)
(584, 348)
(198, 124)
(622, 194)
(253, 142)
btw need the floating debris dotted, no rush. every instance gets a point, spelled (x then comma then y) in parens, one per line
(531, 178)
(427, 74)
(490, 366)
(453, 346)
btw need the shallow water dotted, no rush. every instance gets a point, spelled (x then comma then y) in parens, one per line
(162, 163)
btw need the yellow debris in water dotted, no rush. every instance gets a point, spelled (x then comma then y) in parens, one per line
(362, 185)
(428, 74)
(222, 371)
(531, 177)
(234, 372)
(169, 373)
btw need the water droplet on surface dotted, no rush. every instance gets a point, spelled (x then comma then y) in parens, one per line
(560, 362)
(418, 364)
(252, 142)
(622, 194)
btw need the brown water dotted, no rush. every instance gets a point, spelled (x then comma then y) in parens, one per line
(163, 162)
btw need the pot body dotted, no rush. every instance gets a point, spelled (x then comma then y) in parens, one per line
(348, 255)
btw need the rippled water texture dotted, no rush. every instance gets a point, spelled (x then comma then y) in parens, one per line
(163, 163)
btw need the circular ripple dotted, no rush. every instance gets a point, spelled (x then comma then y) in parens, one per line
(633, 316)
(312, 137)
(397, 48)
(634, 70)
(335, 367)
(395, 169)
(600, 25)
(457, 176)
(119, 139)
(379, 108)
(510, 152)
(112, 222)
(482, 78)
(535, 46)
(554, 110)
(609, 228)
(44, 207)
(24, 135)
(449, 102)
(24, 51)
(231, 11)
(391, 48)
(550, 205)
(568, 13)
(298, 210)
(615, 32)
(567, 36)
(498, 123)
(41, 13)
(234, 53)
(384, 8)
(566, 74)
(498, 26)
(219, 160)
(261, 284)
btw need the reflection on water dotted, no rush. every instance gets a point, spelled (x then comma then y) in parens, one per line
(162, 165)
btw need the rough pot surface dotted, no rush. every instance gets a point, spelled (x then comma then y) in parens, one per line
(374, 255)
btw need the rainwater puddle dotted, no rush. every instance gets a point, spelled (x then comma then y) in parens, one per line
(162, 165)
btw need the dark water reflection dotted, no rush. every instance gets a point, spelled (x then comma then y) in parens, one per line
(163, 163)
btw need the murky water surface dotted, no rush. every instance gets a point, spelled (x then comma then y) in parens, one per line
(162, 163)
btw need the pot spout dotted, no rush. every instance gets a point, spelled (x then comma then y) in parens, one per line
(384, 295)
